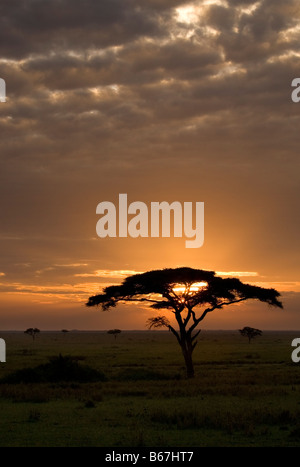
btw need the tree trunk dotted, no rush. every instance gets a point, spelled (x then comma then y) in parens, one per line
(187, 355)
(185, 341)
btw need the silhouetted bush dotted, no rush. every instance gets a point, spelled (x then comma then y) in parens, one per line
(58, 369)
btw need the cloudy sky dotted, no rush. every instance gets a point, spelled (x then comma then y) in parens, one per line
(165, 100)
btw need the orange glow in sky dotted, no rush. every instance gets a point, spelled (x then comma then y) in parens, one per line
(163, 101)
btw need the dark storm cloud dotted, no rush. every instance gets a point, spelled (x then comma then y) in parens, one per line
(34, 26)
(137, 64)
(258, 34)
(221, 17)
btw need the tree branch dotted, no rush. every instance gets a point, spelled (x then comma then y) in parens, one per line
(175, 333)
(188, 316)
(208, 310)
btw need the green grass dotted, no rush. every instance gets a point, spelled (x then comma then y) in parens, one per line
(242, 395)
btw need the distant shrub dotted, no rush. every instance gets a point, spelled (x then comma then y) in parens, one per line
(61, 368)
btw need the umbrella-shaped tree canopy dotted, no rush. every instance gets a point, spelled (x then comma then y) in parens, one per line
(182, 288)
(189, 293)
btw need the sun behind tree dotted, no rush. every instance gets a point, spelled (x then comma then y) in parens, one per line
(183, 291)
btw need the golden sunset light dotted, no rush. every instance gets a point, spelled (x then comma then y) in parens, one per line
(195, 287)
(180, 102)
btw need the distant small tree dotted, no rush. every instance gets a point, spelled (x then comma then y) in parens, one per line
(64, 331)
(250, 332)
(32, 332)
(114, 332)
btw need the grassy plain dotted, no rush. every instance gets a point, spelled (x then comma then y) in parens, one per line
(243, 394)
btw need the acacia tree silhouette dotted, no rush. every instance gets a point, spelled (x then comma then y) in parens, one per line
(182, 290)
(114, 332)
(250, 332)
(32, 332)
